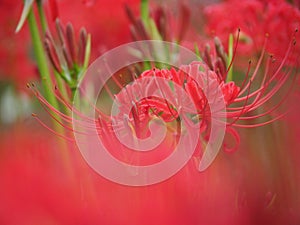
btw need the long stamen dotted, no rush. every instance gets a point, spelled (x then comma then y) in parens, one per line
(234, 54)
(282, 80)
(274, 107)
(50, 129)
(260, 124)
(243, 110)
(270, 110)
(257, 65)
(262, 86)
(62, 116)
(246, 77)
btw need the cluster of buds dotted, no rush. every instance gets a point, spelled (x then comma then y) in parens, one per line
(159, 25)
(218, 61)
(68, 58)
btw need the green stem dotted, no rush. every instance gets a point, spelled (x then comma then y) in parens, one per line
(42, 64)
(145, 11)
(58, 79)
(230, 56)
(62, 88)
(41, 59)
(197, 52)
(42, 16)
(75, 97)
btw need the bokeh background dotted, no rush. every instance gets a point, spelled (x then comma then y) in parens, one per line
(44, 182)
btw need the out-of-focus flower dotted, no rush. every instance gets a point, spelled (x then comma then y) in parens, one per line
(160, 23)
(16, 62)
(255, 19)
(105, 20)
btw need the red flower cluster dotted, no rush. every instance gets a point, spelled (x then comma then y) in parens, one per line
(255, 19)
(239, 100)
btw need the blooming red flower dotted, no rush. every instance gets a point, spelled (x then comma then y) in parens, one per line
(255, 19)
(37, 188)
(240, 100)
(249, 101)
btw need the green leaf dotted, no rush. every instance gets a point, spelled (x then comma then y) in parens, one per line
(87, 52)
(197, 52)
(25, 12)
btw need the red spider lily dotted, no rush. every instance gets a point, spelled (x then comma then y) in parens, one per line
(241, 100)
(188, 197)
(255, 18)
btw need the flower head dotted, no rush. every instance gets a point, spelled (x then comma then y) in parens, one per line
(244, 100)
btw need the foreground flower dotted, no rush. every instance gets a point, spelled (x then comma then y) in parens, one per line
(240, 100)
(36, 189)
